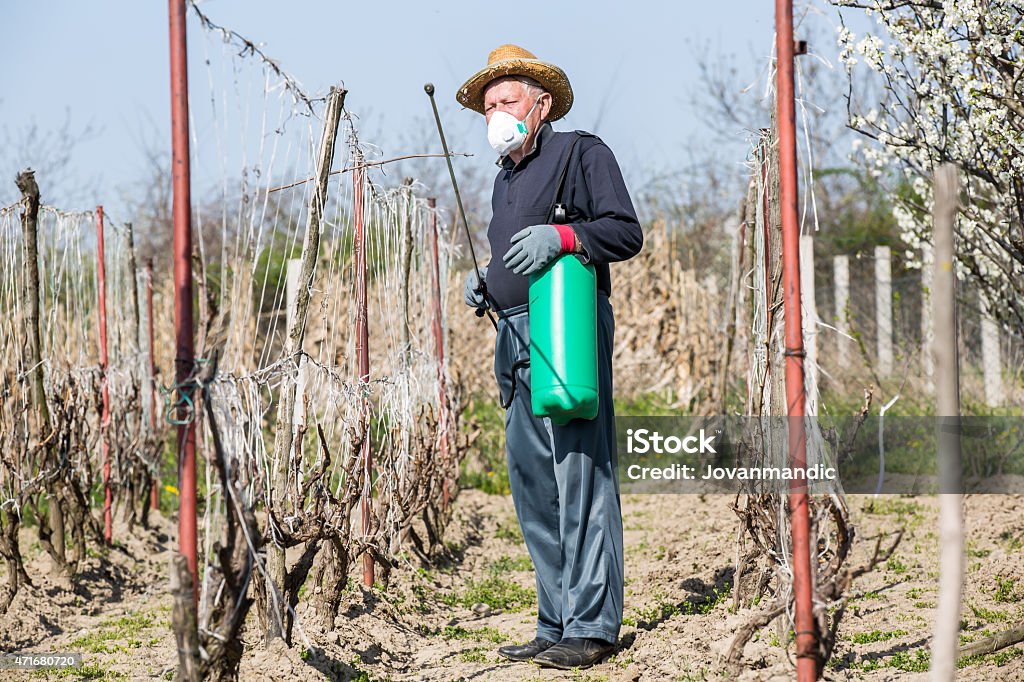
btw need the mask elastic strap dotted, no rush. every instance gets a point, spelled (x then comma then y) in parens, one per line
(535, 103)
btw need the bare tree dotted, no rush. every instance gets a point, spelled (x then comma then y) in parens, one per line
(844, 202)
(475, 177)
(49, 152)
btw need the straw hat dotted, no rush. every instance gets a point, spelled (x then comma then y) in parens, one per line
(512, 60)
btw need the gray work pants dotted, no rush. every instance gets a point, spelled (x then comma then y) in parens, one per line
(565, 488)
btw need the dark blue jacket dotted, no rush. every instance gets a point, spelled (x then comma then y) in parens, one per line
(599, 208)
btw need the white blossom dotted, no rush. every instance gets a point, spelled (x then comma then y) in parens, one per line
(953, 87)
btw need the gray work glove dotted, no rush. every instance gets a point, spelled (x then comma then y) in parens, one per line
(533, 248)
(474, 298)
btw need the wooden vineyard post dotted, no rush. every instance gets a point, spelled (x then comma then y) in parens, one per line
(154, 501)
(841, 278)
(136, 337)
(101, 305)
(133, 278)
(810, 321)
(363, 361)
(442, 421)
(947, 388)
(883, 309)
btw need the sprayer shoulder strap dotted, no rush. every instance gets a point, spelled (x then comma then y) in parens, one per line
(560, 185)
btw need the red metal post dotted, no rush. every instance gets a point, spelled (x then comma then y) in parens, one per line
(154, 493)
(363, 355)
(442, 421)
(184, 354)
(806, 633)
(101, 286)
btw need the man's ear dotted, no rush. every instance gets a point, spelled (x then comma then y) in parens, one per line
(545, 105)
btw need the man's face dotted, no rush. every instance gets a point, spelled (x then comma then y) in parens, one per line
(513, 97)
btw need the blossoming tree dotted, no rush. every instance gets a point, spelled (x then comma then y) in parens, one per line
(953, 91)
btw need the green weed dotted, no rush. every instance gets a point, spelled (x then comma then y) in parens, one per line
(888, 507)
(475, 655)
(665, 609)
(493, 591)
(478, 634)
(507, 564)
(581, 676)
(1013, 542)
(87, 672)
(876, 636)
(117, 634)
(358, 675)
(708, 603)
(864, 596)
(902, 660)
(987, 615)
(509, 531)
(1006, 591)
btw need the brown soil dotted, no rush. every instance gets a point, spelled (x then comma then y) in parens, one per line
(679, 549)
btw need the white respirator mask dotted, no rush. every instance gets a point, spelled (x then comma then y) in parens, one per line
(506, 133)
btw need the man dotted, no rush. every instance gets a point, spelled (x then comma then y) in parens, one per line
(564, 479)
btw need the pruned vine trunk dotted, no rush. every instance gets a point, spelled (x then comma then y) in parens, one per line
(40, 413)
(284, 443)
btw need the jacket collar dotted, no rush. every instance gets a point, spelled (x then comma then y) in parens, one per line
(545, 133)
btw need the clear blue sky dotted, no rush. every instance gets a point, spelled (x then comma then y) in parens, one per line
(631, 65)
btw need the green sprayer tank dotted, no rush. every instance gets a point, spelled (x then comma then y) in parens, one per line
(563, 340)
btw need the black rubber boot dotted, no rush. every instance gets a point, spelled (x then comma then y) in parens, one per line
(525, 652)
(575, 652)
